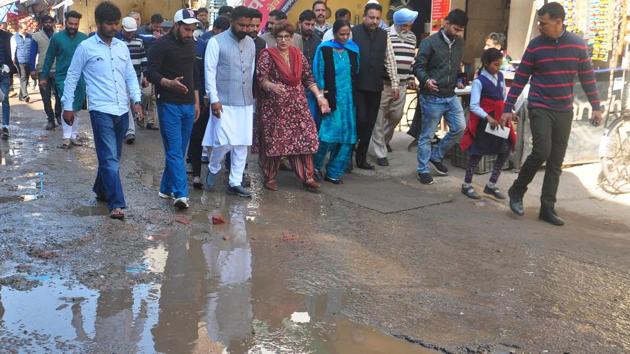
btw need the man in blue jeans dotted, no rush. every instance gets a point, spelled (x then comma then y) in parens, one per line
(111, 81)
(7, 69)
(436, 67)
(171, 70)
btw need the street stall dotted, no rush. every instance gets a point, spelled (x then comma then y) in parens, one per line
(602, 23)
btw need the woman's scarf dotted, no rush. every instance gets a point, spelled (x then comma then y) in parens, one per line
(330, 87)
(349, 45)
(292, 75)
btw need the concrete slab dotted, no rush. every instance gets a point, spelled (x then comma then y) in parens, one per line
(385, 196)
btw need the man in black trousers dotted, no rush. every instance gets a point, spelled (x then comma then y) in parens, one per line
(376, 63)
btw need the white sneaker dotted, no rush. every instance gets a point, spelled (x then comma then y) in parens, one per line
(166, 196)
(181, 203)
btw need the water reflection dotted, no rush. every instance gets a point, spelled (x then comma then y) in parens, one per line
(229, 310)
(220, 293)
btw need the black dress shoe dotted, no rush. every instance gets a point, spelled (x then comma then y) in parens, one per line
(382, 161)
(495, 192)
(550, 216)
(364, 165)
(50, 126)
(516, 205)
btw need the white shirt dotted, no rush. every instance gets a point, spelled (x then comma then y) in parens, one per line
(109, 76)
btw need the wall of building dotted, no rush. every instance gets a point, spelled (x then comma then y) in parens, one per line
(146, 7)
(355, 7)
(483, 17)
(520, 19)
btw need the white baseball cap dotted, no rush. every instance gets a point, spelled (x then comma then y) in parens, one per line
(186, 16)
(129, 24)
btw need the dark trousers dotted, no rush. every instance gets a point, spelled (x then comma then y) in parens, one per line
(48, 92)
(416, 124)
(367, 104)
(196, 138)
(24, 73)
(550, 133)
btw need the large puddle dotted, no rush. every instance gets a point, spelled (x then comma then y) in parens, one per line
(221, 292)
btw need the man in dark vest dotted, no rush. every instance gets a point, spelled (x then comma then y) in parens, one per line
(376, 60)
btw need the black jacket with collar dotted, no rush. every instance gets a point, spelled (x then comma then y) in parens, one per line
(438, 61)
(5, 41)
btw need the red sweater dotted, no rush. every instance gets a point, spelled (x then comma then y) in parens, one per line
(552, 65)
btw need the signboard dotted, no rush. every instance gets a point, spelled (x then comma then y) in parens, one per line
(266, 6)
(439, 10)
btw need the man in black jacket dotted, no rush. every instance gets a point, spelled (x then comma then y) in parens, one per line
(7, 69)
(437, 66)
(377, 62)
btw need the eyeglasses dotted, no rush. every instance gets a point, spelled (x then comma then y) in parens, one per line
(283, 38)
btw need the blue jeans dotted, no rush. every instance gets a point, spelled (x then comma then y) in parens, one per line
(5, 82)
(176, 122)
(109, 133)
(433, 108)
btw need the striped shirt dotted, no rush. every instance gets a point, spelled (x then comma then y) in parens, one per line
(404, 53)
(138, 54)
(552, 65)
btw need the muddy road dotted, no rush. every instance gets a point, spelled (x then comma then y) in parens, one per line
(378, 265)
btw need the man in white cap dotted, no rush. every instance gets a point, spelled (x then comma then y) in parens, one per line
(139, 61)
(391, 110)
(229, 68)
(171, 69)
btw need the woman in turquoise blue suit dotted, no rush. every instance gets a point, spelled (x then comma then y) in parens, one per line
(335, 67)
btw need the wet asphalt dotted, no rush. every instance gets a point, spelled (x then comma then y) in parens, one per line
(377, 265)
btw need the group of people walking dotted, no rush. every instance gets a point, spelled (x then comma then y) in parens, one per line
(301, 101)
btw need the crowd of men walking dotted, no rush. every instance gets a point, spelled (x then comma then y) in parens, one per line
(307, 98)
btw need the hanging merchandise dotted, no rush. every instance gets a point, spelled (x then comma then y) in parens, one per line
(600, 28)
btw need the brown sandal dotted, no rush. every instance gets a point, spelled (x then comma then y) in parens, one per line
(117, 213)
(271, 185)
(312, 186)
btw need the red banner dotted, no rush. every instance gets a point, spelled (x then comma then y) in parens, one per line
(265, 7)
(439, 10)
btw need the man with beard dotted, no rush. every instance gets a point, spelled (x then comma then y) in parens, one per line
(171, 69)
(60, 51)
(310, 41)
(321, 12)
(391, 111)
(41, 41)
(376, 62)
(254, 29)
(436, 67)
(105, 63)
(229, 71)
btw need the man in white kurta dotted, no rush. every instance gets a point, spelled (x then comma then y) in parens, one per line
(229, 71)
